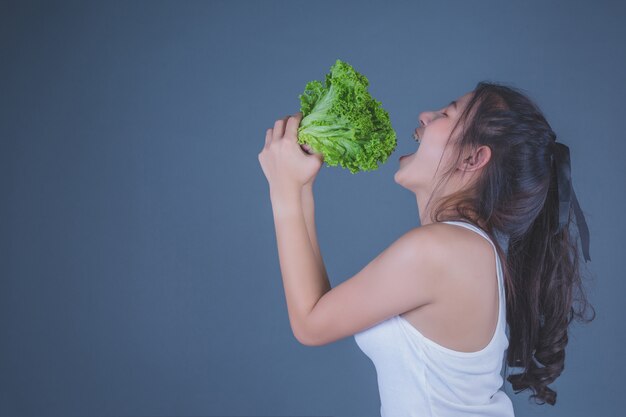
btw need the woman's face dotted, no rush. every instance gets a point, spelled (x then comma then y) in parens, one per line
(417, 170)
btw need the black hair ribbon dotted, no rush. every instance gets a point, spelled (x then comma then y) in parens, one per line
(567, 196)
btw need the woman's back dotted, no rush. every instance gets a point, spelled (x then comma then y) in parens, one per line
(417, 376)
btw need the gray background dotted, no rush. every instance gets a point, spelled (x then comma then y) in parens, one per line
(138, 261)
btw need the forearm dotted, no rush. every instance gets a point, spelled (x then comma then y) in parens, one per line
(308, 207)
(304, 279)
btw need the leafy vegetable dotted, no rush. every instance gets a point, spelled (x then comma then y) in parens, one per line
(343, 122)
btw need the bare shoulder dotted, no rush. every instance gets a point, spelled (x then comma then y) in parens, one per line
(442, 237)
(459, 248)
(448, 251)
(446, 234)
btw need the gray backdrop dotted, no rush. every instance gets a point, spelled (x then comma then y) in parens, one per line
(139, 268)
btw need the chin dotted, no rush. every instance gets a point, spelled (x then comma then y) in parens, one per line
(397, 178)
(408, 183)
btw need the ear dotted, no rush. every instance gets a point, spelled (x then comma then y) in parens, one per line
(477, 159)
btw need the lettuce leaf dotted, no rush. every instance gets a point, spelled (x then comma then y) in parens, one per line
(342, 121)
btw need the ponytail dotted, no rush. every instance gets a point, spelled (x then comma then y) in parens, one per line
(545, 273)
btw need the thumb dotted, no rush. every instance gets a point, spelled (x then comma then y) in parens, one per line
(319, 157)
(309, 151)
(306, 148)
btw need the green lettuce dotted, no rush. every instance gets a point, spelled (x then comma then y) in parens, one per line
(343, 122)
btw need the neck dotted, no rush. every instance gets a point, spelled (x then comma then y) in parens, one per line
(425, 212)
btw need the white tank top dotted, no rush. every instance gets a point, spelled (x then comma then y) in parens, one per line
(418, 377)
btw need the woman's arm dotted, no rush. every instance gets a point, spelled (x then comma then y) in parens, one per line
(308, 207)
(303, 273)
(288, 168)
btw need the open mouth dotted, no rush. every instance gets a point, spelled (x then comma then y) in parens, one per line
(416, 137)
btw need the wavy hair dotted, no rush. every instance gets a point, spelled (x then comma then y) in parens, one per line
(515, 199)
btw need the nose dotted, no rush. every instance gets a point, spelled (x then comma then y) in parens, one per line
(427, 116)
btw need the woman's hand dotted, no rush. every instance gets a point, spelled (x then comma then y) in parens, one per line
(285, 163)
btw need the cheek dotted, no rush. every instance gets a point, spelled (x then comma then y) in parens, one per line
(424, 153)
(432, 150)
(425, 159)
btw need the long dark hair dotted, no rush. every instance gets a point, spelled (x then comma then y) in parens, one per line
(515, 199)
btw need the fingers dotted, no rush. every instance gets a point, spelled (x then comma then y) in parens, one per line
(288, 125)
(279, 128)
(268, 138)
(293, 122)
(277, 131)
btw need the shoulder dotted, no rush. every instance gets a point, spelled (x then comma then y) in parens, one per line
(447, 245)
(438, 239)
(444, 233)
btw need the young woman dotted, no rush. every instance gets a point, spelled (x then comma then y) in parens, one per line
(495, 199)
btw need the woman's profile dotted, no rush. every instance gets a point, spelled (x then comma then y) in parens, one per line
(491, 277)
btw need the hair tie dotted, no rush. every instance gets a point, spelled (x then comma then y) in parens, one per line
(567, 196)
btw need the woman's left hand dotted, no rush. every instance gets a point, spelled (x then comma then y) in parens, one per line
(285, 163)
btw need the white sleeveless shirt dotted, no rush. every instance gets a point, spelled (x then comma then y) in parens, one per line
(418, 377)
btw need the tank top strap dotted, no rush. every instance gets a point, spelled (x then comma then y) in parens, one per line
(471, 226)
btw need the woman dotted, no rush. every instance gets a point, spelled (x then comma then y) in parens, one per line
(431, 310)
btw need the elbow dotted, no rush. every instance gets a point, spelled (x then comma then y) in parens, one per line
(305, 337)
(304, 342)
(309, 342)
